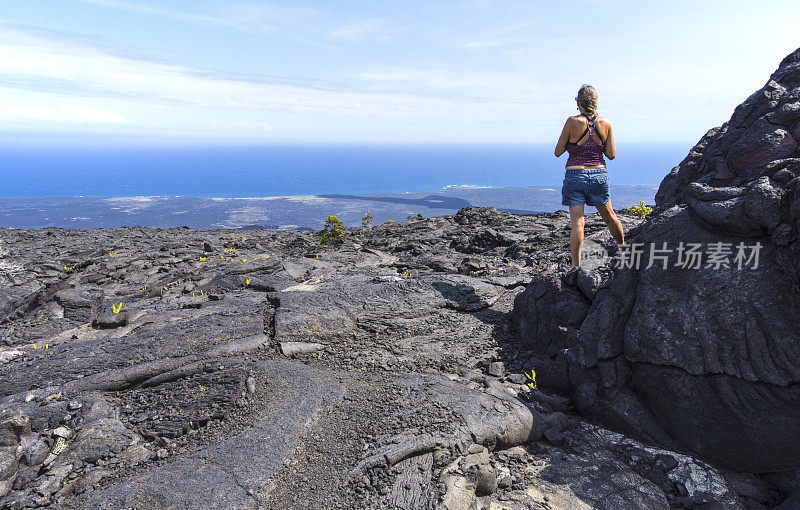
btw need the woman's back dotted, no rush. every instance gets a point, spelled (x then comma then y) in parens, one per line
(589, 144)
(579, 124)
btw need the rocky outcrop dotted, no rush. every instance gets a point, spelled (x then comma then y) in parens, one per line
(702, 354)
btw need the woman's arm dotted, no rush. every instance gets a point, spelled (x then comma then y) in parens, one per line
(611, 151)
(561, 146)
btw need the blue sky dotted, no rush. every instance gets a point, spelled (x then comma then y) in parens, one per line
(388, 71)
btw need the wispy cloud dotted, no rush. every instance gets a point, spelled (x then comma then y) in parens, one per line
(248, 16)
(494, 43)
(64, 113)
(441, 81)
(504, 35)
(36, 61)
(360, 31)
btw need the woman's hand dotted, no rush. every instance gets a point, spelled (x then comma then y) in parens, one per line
(561, 146)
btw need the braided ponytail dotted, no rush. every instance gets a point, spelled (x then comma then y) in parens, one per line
(587, 100)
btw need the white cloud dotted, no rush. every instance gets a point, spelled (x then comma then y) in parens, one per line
(45, 64)
(359, 31)
(506, 35)
(64, 113)
(495, 43)
(510, 87)
(249, 17)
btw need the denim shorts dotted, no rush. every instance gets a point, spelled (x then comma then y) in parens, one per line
(588, 187)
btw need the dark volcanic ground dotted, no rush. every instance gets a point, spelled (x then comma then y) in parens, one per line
(261, 369)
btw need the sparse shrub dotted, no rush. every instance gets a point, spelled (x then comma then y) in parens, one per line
(531, 379)
(366, 221)
(390, 222)
(333, 231)
(640, 210)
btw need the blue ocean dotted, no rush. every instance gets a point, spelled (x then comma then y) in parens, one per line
(214, 170)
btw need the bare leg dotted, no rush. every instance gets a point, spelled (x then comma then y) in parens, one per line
(576, 222)
(614, 225)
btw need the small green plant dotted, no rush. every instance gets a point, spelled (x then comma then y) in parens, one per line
(390, 222)
(640, 210)
(333, 231)
(531, 379)
(366, 221)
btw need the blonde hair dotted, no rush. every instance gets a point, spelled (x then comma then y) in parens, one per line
(587, 100)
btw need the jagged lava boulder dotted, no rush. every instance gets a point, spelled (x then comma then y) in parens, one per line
(701, 355)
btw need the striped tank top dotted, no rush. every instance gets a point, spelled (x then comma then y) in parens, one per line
(589, 153)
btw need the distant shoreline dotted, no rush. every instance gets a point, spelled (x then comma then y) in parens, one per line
(288, 212)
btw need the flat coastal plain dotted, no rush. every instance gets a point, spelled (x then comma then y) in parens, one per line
(299, 212)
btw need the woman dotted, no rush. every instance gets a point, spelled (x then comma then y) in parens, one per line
(587, 137)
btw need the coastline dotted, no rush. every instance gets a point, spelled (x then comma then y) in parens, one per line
(288, 212)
